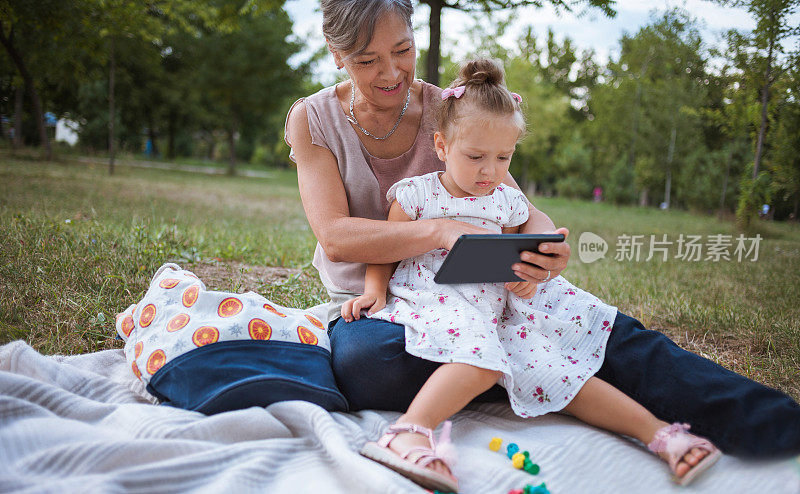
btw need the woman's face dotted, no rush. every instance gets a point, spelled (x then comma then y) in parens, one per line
(384, 71)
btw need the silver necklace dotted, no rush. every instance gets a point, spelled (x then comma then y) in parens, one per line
(352, 117)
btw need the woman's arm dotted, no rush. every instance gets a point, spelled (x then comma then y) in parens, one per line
(346, 238)
(549, 266)
(376, 280)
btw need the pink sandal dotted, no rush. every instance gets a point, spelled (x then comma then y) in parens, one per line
(676, 442)
(416, 470)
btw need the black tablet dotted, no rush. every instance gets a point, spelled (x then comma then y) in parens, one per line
(488, 258)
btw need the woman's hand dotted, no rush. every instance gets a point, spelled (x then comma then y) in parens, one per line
(521, 289)
(448, 231)
(352, 308)
(547, 266)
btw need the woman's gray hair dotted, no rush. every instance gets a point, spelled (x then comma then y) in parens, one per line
(348, 25)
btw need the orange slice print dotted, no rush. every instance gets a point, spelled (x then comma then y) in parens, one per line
(169, 283)
(205, 336)
(148, 314)
(137, 349)
(136, 371)
(230, 307)
(306, 335)
(127, 326)
(155, 361)
(178, 322)
(316, 322)
(273, 310)
(190, 295)
(259, 330)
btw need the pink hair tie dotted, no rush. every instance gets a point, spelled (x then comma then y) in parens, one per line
(517, 97)
(454, 91)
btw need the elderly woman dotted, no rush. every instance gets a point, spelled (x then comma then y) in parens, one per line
(353, 140)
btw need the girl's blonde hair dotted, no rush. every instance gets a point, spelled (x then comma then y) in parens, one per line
(485, 92)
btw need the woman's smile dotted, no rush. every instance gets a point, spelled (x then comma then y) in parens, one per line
(392, 89)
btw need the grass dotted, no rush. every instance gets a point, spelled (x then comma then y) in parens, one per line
(77, 246)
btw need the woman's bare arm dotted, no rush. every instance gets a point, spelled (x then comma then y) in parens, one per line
(549, 266)
(346, 238)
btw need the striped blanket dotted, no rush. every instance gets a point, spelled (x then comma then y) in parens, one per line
(83, 423)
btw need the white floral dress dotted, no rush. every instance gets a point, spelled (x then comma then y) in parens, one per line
(546, 346)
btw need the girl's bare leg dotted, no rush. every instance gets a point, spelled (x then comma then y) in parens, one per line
(446, 392)
(602, 405)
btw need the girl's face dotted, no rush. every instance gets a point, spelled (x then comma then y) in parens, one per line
(384, 71)
(478, 154)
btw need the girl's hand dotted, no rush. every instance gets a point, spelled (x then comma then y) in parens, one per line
(448, 231)
(352, 308)
(521, 289)
(549, 266)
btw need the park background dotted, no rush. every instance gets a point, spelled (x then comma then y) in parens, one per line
(686, 129)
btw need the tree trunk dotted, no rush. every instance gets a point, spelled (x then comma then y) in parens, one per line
(30, 87)
(171, 124)
(764, 102)
(725, 180)
(44, 140)
(111, 116)
(670, 154)
(232, 144)
(434, 24)
(643, 197)
(212, 146)
(151, 133)
(634, 126)
(18, 97)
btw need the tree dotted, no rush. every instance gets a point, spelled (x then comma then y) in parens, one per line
(486, 6)
(42, 40)
(772, 26)
(244, 76)
(643, 110)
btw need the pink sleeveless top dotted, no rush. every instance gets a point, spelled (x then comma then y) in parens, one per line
(366, 178)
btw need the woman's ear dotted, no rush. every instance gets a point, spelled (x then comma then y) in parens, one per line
(337, 58)
(440, 145)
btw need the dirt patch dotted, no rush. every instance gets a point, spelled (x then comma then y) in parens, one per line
(239, 277)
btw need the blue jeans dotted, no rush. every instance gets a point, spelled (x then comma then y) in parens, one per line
(738, 415)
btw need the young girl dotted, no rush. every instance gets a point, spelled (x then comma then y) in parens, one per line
(543, 343)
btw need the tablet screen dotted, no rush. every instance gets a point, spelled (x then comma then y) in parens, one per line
(488, 258)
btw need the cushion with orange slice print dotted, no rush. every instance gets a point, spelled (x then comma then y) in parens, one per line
(307, 336)
(135, 369)
(124, 323)
(275, 311)
(155, 361)
(177, 323)
(205, 336)
(259, 330)
(127, 325)
(169, 283)
(190, 295)
(229, 307)
(147, 315)
(316, 322)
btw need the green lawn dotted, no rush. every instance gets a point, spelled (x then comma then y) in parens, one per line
(77, 246)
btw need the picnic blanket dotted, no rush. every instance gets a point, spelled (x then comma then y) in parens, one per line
(84, 423)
